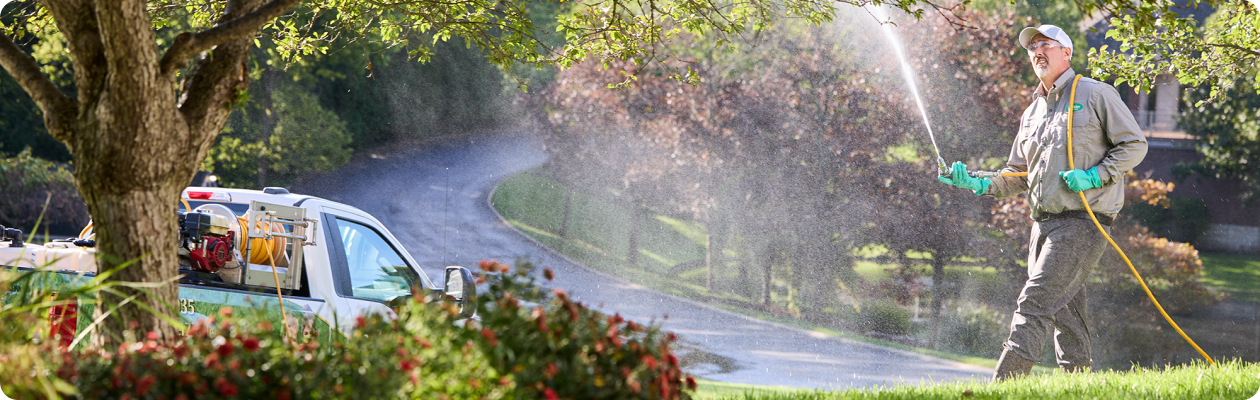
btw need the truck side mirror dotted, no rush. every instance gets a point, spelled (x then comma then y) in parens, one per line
(461, 286)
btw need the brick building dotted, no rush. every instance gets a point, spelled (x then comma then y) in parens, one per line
(1235, 227)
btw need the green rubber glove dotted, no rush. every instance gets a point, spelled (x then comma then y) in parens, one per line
(1079, 181)
(959, 177)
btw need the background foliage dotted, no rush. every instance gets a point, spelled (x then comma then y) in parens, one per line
(33, 188)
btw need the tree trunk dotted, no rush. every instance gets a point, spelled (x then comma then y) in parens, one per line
(708, 261)
(134, 225)
(137, 138)
(769, 256)
(267, 125)
(938, 297)
(632, 253)
(564, 219)
(719, 232)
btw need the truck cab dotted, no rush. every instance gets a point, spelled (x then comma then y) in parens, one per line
(319, 263)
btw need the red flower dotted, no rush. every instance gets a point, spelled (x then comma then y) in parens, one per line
(225, 349)
(212, 361)
(405, 365)
(650, 361)
(250, 344)
(151, 335)
(225, 311)
(490, 337)
(224, 387)
(691, 383)
(550, 394)
(360, 321)
(143, 385)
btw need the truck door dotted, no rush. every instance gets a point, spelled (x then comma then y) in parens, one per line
(368, 268)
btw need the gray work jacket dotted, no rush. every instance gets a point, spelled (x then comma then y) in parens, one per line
(1104, 134)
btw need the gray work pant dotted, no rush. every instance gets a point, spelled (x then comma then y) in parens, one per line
(1061, 253)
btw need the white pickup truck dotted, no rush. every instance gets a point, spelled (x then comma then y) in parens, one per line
(332, 262)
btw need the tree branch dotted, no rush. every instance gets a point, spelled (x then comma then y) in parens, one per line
(58, 108)
(188, 44)
(1235, 47)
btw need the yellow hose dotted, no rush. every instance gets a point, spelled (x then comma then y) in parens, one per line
(288, 332)
(1072, 165)
(83, 233)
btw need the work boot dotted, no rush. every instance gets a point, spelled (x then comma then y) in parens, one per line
(1071, 369)
(1011, 366)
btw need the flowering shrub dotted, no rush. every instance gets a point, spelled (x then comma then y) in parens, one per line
(556, 348)
(228, 357)
(529, 342)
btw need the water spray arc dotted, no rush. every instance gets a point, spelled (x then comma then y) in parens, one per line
(906, 72)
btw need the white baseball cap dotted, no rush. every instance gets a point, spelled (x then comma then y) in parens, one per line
(1051, 31)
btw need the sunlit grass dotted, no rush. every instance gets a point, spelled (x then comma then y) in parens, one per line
(713, 390)
(1238, 274)
(1229, 380)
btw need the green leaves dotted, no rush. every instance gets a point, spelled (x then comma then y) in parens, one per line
(1155, 39)
(1229, 133)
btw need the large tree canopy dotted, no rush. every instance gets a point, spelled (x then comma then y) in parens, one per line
(1159, 37)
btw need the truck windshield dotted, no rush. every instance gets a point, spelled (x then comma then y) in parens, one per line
(377, 271)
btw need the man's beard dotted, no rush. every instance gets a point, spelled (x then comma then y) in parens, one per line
(1041, 66)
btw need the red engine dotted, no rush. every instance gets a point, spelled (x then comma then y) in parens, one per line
(214, 253)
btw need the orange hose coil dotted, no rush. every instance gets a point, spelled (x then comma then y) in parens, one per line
(262, 251)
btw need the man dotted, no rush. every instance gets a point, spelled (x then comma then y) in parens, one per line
(1064, 244)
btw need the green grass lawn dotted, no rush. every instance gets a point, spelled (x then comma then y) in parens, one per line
(1237, 274)
(1232, 380)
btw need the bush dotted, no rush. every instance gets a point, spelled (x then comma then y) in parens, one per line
(550, 347)
(228, 357)
(562, 349)
(886, 317)
(974, 330)
(1148, 215)
(1189, 218)
(27, 183)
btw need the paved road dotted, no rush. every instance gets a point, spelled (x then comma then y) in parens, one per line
(434, 200)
